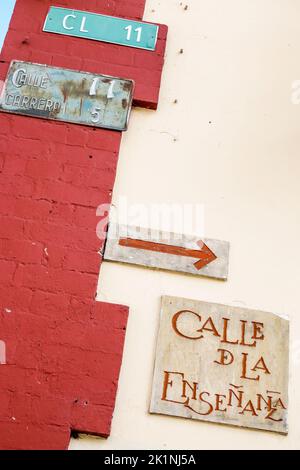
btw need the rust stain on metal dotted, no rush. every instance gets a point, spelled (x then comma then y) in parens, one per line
(66, 95)
(126, 86)
(72, 89)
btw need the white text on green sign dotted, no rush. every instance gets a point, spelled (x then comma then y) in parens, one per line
(101, 28)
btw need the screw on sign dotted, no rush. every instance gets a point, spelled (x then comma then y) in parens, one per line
(61, 351)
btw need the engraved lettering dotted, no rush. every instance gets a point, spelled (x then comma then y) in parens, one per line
(175, 327)
(226, 357)
(211, 327)
(9, 99)
(21, 78)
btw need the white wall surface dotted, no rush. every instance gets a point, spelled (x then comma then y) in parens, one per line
(237, 152)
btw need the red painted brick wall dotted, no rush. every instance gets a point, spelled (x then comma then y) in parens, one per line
(63, 349)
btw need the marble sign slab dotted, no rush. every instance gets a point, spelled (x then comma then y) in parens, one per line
(222, 364)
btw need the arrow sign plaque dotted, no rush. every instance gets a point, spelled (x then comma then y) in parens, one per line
(204, 254)
(170, 251)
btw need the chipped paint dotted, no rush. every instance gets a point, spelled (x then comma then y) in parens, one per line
(66, 95)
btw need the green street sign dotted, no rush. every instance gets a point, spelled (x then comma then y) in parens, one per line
(104, 28)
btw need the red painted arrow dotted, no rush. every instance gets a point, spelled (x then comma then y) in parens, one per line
(205, 254)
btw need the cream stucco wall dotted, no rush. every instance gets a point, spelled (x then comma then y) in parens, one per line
(231, 143)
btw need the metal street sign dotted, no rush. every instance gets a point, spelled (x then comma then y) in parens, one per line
(170, 251)
(104, 28)
(66, 95)
(222, 364)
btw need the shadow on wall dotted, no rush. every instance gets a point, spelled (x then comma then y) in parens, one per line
(6, 9)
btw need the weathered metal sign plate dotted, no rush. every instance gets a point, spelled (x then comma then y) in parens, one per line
(66, 95)
(222, 364)
(170, 251)
(103, 28)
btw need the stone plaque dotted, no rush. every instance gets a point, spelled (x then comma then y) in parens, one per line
(166, 250)
(222, 364)
(66, 95)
